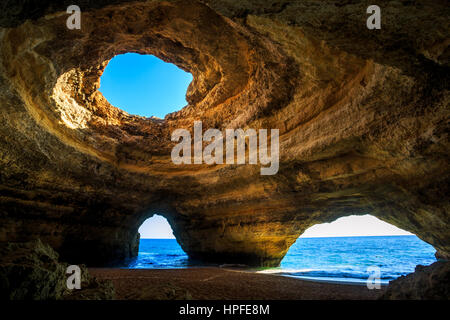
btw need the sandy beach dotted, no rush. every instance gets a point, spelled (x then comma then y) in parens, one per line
(224, 284)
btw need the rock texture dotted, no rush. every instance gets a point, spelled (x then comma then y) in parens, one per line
(363, 118)
(426, 283)
(31, 270)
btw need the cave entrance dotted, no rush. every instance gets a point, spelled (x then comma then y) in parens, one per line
(158, 247)
(344, 249)
(144, 85)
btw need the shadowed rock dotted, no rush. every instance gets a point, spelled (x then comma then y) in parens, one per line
(426, 283)
(31, 271)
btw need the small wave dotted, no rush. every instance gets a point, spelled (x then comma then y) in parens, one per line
(328, 274)
(287, 271)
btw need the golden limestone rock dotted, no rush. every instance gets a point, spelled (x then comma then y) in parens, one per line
(362, 118)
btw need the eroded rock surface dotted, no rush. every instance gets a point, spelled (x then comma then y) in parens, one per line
(31, 271)
(363, 119)
(426, 283)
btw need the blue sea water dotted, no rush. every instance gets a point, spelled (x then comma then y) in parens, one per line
(160, 254)
(330, 259)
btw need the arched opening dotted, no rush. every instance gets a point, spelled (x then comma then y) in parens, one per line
(344, 249)
(158, 247)
(144, 85)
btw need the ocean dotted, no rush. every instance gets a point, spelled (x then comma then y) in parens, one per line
(330, 259)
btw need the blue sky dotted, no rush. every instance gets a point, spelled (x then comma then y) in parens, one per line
(144, 85)
(353, 226)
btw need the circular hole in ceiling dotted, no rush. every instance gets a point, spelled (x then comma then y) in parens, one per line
(144, 85)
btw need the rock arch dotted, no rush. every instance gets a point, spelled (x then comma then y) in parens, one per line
(362, 129)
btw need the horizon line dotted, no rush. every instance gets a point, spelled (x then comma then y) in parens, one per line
(350, 236)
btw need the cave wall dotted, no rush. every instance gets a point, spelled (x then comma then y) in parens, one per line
(363, 119)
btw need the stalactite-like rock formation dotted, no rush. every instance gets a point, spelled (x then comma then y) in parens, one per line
(363, 119)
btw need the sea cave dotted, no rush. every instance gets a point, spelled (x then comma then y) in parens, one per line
(362, 118)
